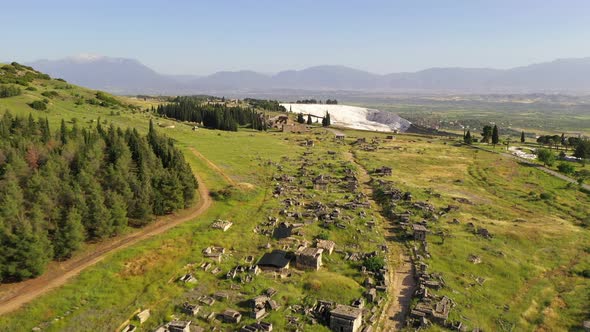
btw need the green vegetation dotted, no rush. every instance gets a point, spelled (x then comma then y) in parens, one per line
(582, 150)
(566, 168)
(326, 122)
(300, 118)
(77, 184)
(18, 74)
(546, 157)
(267, 105)
(534, 267)
(9, 91)
(215, 115)
(531, 270)
(39, 105)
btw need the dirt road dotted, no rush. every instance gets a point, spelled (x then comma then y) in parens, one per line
(213, 166)
(12, 296)
(402, 284)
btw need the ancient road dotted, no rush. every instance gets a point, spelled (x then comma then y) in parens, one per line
(402, 279)
(12, 296)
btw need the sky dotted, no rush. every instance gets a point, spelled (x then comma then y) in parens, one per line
(202, 37)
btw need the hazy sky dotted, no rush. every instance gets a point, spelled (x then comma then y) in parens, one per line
(200, 37)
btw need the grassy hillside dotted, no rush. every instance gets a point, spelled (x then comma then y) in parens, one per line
(106, 295)
(533, 265)
(532, 269)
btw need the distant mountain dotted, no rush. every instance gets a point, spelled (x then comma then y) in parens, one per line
(326, 77)
(128, 76)
(116, 75)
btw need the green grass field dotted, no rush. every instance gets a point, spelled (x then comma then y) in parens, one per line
(533, 263)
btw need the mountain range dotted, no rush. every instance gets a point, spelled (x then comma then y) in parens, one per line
(129, 76)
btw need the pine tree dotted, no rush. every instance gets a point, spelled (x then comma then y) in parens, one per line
(70, 234)
(98, 221)
(522, 138)
(24, 254)
(11, 200)
(56, 191)
(118, 212)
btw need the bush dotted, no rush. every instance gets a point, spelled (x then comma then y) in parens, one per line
(323, 236)
(546, 196)
(546, 157)
(38, 105)
(31, 88)
(566, 168)
(9, 91)
(374, 263)
(50, 94)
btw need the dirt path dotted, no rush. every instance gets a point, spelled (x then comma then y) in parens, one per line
(12, 296)
(402, 288)
(402, 283)
(213, 166)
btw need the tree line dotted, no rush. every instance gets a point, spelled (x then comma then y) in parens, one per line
(265, 104)
(213, 116)
(488, 134)
(326, 122)
(314, 101)
(60, 188)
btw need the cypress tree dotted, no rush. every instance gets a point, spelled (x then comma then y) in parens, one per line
(522, 138)
(300, 118)
(495, 136)
(468, 139)
(309, 121)
(63, 132)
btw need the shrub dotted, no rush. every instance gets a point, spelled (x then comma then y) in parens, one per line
(9, 91)
(566, 168)
(38, 105)
(546, 157)
(50, 94)
(323, 236)
(374, 263)
(31, 88)
(546, 196)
